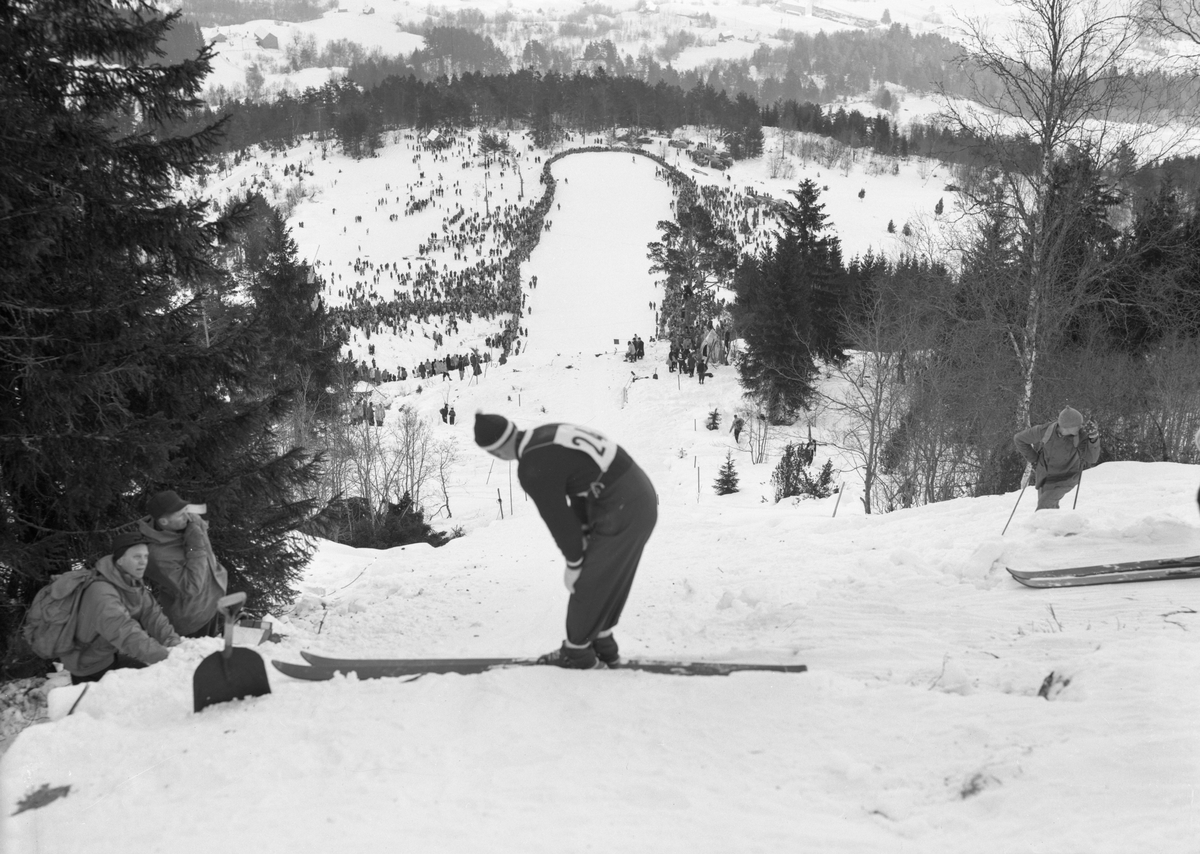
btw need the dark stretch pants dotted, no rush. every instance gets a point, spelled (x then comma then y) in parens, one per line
(621, 519)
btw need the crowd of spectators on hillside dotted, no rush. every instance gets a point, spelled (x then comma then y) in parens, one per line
(468, 269)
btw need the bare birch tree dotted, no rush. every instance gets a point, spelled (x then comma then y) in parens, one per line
(1172, 19)
(1054, 85)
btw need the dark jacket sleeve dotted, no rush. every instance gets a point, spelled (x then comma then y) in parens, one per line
(198, 558)
(579, 507)
(1026, 441)
(156, 623)
(546, 484)
(116, 625)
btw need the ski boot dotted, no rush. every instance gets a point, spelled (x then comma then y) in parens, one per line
(607, 650)
(573, 658)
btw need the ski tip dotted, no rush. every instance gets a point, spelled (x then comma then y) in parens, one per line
(302, 671)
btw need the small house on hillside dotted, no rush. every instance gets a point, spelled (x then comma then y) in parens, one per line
(268, 42)
(220, 38)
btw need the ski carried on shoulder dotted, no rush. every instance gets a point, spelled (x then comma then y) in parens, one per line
(1111, 573)
(320, 668)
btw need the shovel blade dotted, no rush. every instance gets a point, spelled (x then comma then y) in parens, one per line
(223, 677)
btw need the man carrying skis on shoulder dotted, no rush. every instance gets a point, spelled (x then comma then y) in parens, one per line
(1058, 453)
(600, 508)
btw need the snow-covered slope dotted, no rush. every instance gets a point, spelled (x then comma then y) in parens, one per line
(918, 727)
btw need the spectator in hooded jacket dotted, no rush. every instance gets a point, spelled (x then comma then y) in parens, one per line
(120, 625)
(1058, 450)
(185, 573)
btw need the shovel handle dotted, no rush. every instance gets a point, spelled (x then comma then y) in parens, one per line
(231, 603)
(230, 606)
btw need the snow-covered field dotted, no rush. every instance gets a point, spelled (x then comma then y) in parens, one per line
(918, 727)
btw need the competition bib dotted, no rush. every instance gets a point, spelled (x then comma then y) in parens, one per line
(599, 447)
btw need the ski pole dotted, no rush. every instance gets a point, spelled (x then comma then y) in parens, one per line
(1080, 483)
(1024, 477)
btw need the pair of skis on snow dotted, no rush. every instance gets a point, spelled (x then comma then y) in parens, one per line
(1111, 573)
(320, 668)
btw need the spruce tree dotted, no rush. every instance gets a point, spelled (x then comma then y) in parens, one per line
(116, 378)
(788, 307)
(821, 268)
(696, 254)
(256, 464)
(727, 479)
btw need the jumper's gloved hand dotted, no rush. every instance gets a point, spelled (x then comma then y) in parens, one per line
(571, 575)
(1091, 431)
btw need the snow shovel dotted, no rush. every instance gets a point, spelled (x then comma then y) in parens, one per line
(232, 673)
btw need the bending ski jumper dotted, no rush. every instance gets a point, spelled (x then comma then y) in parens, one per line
(600, 508)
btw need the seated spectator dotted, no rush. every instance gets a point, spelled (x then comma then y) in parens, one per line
(185, 573)
(120, 625)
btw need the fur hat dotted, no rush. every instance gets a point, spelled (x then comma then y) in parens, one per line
(492, 431)
(164, 504)
(124, 542)
(1070, 419)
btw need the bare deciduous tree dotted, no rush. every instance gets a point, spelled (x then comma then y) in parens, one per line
(869, 397)
(758, 430)
(1173, 19)
(1055, 84)
(381, 465)
(779, 163)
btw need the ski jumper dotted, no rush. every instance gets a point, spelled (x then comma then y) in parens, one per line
(600, 508)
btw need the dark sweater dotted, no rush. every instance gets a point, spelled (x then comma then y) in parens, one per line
(561, 466)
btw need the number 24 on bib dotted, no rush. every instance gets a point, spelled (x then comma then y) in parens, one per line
(599, 447)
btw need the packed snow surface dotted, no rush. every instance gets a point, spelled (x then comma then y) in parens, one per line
(918, 727)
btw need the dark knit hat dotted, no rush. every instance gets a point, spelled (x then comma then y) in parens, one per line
(124, 542)
(492, 431)
(1069, 419)
(164, 504)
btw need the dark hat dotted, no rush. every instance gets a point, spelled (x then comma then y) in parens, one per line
(123, 542)
(1069, 419)
(492, 431)
(164, 504)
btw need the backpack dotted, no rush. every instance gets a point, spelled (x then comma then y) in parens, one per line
(51, 620)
